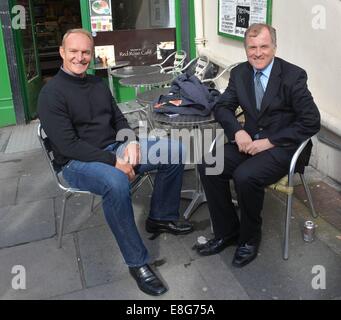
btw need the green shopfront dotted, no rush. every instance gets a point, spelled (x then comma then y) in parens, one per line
(7, 115)
(140, 31)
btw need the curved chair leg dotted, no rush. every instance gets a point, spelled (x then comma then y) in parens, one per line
(287, 227)
(92, 203)
(308, 193)
(61, 223)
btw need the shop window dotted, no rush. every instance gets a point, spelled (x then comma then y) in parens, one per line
(143, 14)
(30, 58)
(141, 32)
(53, 18)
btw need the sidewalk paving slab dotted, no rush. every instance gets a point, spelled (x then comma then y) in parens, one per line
(49, 271)
(8, 191)
(26, 222)
(77, 213)
(23, 164)
(271, 277)
(37, 187)
(90, 265)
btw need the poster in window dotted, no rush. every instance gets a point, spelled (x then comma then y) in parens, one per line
(105, 55)
(100, 15)
(159, 14)
(235, 16)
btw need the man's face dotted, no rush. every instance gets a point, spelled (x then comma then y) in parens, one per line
(260, 50)
(76, 53)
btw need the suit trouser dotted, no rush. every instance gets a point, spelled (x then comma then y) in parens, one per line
(251, 174)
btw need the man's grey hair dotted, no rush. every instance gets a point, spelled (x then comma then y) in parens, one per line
(79, 30)
(255, 29)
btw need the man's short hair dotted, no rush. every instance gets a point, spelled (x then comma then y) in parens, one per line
(255, 29)
(79, 30)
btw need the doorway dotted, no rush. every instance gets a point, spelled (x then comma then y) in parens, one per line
(53, 18)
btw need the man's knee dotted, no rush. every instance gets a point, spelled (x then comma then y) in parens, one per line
(117, 184)
(242, 177)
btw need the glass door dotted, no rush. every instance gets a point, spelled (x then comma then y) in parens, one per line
(28, 62)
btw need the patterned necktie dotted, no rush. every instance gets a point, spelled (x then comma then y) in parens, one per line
(259, 91)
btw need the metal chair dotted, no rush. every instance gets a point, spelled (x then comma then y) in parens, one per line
(198, 66)
(285, 185)
(67, 190)
(216, 79)
(179, 59)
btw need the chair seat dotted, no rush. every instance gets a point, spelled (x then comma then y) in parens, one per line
(282, 186)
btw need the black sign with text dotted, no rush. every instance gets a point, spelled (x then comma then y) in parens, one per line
(243, 16)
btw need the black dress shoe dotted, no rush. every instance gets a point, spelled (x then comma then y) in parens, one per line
(216, 245)
(147, 280)
(174, 227)
(245, 254)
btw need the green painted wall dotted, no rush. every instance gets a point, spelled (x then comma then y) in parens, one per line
(192, 48)
(7, 115)
(193, 52)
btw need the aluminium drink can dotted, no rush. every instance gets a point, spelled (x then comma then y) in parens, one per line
(308, 231)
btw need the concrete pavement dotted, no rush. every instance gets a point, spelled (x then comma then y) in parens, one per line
(90, 266)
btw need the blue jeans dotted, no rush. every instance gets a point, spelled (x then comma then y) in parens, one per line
(114, 187)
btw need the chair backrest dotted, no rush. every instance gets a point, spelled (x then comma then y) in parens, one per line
(201, 67)
(179, 60)
(47, 150)
(215, 80)
(197, 66)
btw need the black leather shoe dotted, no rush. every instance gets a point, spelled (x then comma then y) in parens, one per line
(174, 227)
(245, 254)
(147, 280)
(216, 245)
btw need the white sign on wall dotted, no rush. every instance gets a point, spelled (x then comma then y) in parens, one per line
(235, 16)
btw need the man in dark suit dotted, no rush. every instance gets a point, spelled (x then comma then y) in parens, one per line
(280, 113)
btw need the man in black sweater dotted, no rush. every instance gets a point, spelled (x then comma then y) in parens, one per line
(83, 123)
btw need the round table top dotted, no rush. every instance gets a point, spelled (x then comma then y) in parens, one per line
(153, 79)
(149, 96)
(118, 64)
(130, 71)
(182, 119)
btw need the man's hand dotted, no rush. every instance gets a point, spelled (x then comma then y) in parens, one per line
(243, 139)
(132, 154)
(126, 167)
(258, 146)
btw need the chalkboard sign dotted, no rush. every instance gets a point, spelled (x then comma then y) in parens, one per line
(235, 16)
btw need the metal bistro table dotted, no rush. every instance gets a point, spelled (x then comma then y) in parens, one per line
(197, 196)
(132, 71)
(147, 80)
(117, 65)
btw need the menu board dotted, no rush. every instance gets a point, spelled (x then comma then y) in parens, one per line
(235, 16)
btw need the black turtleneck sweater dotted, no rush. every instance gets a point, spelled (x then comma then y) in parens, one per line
(80, 118)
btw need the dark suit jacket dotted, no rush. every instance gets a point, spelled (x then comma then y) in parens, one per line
(288, 114)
